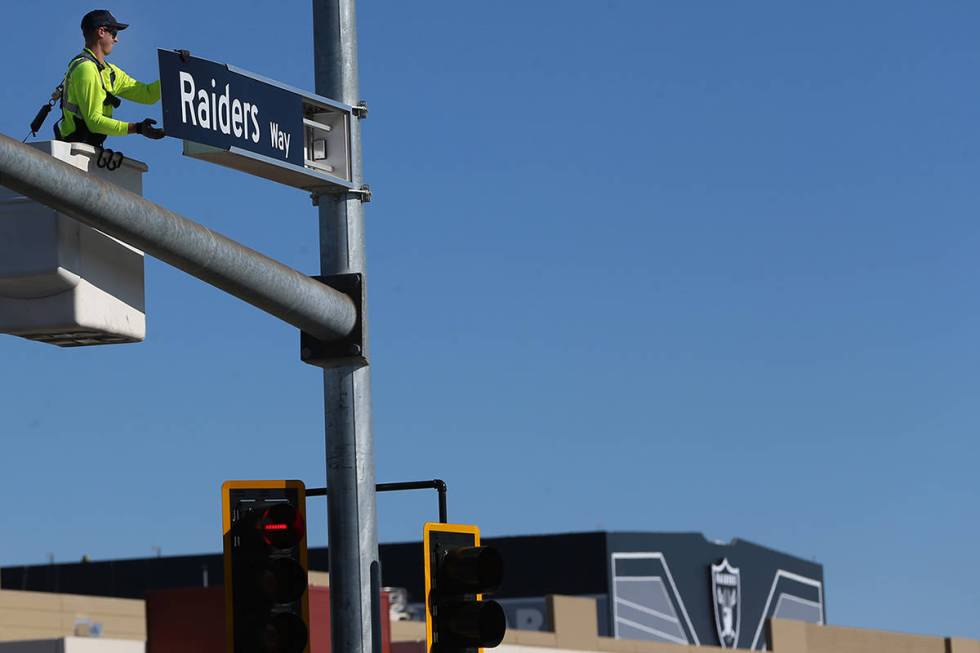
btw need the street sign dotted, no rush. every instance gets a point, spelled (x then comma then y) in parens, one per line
(244, 121)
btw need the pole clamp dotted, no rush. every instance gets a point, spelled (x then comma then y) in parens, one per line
(346, 352)
(360, 110)
(363, 193)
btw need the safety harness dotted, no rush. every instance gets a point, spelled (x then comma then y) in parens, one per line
(82, 133)
(79, 59)
(105, 158)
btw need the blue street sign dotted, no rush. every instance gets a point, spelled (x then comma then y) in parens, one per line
(254, 124)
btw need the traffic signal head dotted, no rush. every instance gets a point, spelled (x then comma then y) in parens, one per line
(458, 571)
(267, 607)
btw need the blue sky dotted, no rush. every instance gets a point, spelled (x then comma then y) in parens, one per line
(634, 265)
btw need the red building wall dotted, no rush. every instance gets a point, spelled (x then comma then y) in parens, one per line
(192, 620)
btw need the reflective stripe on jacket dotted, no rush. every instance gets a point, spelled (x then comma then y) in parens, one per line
(85, 89)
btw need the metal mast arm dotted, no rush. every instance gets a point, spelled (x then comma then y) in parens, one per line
(253, 277)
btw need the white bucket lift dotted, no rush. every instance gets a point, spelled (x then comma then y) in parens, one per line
(63, 282)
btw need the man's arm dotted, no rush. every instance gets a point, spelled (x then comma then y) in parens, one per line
(134, 91)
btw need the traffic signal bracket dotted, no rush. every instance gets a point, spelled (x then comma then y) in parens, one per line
(436, 484)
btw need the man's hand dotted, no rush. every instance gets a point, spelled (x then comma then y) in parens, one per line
(147, 129)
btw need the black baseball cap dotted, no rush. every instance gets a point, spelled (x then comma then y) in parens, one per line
(101, 18)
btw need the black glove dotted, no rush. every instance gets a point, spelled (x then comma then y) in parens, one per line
(147, 129)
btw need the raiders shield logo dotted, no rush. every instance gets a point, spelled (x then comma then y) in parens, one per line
(726, 593)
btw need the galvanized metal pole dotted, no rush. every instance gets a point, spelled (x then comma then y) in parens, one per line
(253, 277)
(355, 573)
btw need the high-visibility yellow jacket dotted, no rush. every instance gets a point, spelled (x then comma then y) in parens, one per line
(85, 91)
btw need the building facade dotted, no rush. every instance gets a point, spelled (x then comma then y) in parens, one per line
(664, 587)
(661, 587)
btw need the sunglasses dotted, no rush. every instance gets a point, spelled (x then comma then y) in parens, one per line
(112, 31)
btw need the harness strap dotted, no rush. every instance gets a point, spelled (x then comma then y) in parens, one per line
(79, 59)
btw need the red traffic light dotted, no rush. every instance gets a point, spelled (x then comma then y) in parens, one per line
(266, 566)
(282, 526)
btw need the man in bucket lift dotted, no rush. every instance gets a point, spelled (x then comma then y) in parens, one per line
(92, 88)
